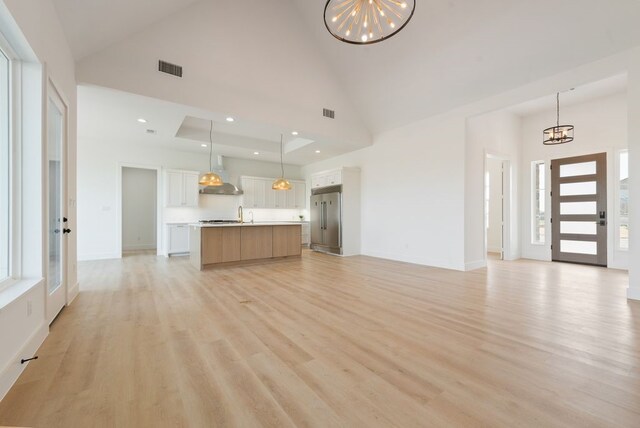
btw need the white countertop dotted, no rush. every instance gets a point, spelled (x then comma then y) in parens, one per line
(264, 223)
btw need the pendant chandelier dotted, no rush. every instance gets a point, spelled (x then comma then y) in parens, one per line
(363, 22)
(559, 134)
(281, 183)
(211, 178)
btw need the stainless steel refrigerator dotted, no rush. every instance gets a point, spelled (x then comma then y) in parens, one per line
(326, 219)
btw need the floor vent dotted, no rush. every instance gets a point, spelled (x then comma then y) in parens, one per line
(167, 67)
(328, 113)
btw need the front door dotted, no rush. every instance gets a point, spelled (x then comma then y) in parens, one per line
(579, 209)
(56, 149)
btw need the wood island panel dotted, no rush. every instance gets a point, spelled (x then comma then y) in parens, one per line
(231, 237)
(287, 241)
(256, 242)
(211, 245)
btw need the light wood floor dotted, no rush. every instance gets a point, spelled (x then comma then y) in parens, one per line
(326, 341)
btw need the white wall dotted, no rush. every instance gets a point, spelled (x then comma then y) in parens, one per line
(412, 192)
(496, 134)
(494, 229)
(139, 209)
(33, 29)
(633, 98)
(98, 167)
(600, 126)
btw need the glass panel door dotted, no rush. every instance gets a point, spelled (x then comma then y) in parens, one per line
(579, 209)
(56, 144)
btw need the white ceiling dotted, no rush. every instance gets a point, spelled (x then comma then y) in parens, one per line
(92, 25)
(572, 96)
(109, 114)
(454, 52)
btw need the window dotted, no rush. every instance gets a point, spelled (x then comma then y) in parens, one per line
(538, 201)
(623, 200)
(4, 166)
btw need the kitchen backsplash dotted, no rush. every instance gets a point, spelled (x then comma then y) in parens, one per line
(226, 207)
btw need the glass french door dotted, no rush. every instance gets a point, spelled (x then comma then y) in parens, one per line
(579, 209)
(56, 150)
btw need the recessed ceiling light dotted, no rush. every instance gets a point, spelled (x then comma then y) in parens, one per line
(203, 145)
(294, 133)
(317, 151)
(141, 120)
(230, 119)
(256, 153)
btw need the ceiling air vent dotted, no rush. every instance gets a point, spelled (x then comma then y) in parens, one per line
(328, 113)
(167, 67)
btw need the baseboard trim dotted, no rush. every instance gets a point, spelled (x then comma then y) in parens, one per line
(478, 264)
(441, 264)
(73, 293)
(140, 247)
(12, 372)
(103, 256)
(633, 293)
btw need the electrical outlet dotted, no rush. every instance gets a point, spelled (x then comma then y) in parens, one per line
(29, 308)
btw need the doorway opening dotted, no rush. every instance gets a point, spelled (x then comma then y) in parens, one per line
(494, 208)
(139, 210)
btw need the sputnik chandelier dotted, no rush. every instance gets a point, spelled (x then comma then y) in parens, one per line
(363, 22)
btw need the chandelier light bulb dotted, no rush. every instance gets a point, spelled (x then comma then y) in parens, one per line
(363, 21)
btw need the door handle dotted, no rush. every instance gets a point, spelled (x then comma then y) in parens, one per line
(326, 212)
(64, 219)
(66, 230)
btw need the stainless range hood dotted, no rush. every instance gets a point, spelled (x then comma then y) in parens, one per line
(225, 189)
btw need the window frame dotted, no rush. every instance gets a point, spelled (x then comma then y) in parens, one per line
(617, 194)
(15, 161)
(534, 208)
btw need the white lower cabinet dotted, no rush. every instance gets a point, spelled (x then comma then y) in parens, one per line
(177, 239)
(306, 234)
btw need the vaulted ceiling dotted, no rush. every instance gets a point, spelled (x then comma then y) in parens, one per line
(454, 52)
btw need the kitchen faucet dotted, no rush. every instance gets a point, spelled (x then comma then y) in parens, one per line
(240, 214)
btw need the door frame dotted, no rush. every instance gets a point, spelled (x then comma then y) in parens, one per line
(507, 172)
(62, 299)
(602, 257)
(160, 246)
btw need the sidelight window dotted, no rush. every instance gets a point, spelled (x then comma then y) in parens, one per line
(5, 174)
(538, 214)
(623, 200)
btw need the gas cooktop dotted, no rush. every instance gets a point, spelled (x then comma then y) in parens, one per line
(219, 221)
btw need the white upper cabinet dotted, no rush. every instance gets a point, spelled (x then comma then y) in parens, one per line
(259, 194)
(181, 188)
(297, 196)
(326, 178)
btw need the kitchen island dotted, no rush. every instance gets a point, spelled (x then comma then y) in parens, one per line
(215, 245)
